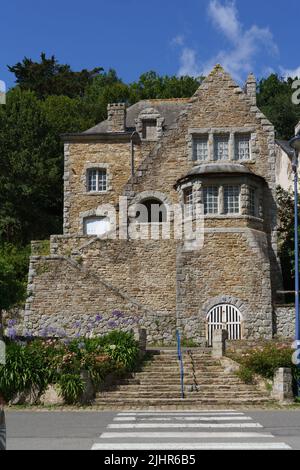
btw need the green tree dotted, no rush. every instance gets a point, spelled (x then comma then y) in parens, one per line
(286, 237)
(274, 98)
(153, 86)
(48, 77)
(13, 275)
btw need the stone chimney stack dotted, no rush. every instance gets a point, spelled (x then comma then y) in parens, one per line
(116, 117)
(250, 88)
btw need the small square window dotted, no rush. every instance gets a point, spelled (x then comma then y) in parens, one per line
(221, 147)
(242, 147)
(211, 200)
(200, 148)
(149, 129)
(97, 180)
(231, 199)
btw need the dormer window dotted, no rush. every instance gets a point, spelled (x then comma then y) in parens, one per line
(242, 147)
(149, 129)
(97, 180)
(200, 148)
(221, 147)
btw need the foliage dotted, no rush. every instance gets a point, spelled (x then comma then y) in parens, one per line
(274, 98)
(71, 386)
(286, 235)
(25, 367)
(266, 360)
(38, 363)
(246, 375)
(48, 77)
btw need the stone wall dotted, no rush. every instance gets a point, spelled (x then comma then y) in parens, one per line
(284, 321)
(231, 268)
(114, 157)
(108, 276)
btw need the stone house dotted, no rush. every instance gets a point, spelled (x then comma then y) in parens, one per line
(215, 151)
(284, 158)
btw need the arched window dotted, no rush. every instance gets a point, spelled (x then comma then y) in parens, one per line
(154, 211)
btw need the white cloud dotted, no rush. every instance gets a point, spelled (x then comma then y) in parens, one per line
(243, 44)
(188, 63)
(178, 40)
(286, 73)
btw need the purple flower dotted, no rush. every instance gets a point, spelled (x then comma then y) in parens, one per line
(112, 324)
(117, 314)
(98, 318)
(11, 323)
(77, 324)
(12, 333)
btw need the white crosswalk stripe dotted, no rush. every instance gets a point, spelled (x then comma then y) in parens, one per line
(224, 430)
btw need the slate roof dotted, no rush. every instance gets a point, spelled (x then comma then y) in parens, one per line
(169, 109)
(284, 144)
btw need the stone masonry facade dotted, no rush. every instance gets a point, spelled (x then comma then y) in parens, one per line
(216, 150)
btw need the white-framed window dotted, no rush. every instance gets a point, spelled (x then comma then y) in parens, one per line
(96, 226)
(231, 199)
(200, 148)
(252, 201)
(189, 202)
(149, 131)
(211, 200)
(221, 147)
(242, 147)
(97, 180)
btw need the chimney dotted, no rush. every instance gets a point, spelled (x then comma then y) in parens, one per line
(116, 117)
(250, 88)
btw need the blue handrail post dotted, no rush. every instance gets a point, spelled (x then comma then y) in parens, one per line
(179, 353)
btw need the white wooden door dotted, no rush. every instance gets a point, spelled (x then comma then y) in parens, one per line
(226, 317)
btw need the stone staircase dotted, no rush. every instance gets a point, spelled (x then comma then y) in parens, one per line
(157, 385)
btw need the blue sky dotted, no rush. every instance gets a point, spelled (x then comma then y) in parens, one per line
(168, 36)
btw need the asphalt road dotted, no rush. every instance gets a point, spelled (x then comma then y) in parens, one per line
(28, 430)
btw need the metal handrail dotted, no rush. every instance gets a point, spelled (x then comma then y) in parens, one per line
(179, 353)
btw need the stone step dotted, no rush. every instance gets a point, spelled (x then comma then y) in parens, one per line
(197, 395)
(141, 403)
(177, 387)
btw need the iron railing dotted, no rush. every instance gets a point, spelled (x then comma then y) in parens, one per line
(179, 353)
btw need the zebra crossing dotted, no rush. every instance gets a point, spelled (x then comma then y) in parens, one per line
(203, 430)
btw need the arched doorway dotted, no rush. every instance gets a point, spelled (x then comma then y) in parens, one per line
(155, 211)
(226, 317)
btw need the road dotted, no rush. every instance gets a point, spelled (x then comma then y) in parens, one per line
(197, 430)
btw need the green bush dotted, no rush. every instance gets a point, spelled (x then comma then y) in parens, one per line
(246, 375)
(267, 360)
(26, 367)
(72, 387)
(40, 363)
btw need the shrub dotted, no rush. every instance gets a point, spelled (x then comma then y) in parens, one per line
(40, 363)
(25, 368)
(71, 387)
(246, 375)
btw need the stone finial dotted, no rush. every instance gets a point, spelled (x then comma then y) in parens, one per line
(283, 386)
(219, 343)
(250, 88)
(116, 113)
